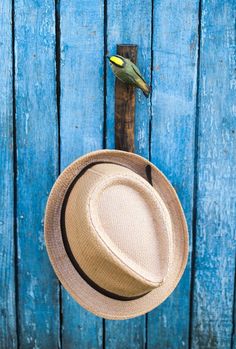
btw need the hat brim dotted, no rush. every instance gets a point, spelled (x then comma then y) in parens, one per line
(80, 290)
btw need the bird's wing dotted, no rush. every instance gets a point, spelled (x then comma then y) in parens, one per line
(137, 71)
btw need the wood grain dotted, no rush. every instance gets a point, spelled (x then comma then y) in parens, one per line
(181, 130)
(174, 89)
(125, 105)
(37, 169)
(81, 121)
(124, 26)
(216, 183)
(8, 332)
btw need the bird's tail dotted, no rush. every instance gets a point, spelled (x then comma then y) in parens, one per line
(146, 90)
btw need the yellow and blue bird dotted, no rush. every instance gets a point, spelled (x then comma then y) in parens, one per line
(128, 72)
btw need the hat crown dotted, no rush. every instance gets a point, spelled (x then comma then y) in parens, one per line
(118, 230)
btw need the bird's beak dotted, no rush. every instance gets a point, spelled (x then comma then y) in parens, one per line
(108, 57)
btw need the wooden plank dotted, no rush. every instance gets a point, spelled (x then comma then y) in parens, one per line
(216, 182)
(37, 168)
(125, 105)
(126, 333)
(82, 117)
(175, 46)
(124, 26)
(233, 339)
(8, 335)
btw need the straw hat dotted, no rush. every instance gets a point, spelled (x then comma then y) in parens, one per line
(116, 234)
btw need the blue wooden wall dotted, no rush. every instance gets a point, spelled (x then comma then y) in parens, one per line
(57, 103)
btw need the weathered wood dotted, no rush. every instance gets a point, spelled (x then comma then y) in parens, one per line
(129, 22)
(84, 31)
(125, 105)
(174, 81)
(216, 183)
(37, 168)
(8, 335)
(82, 118)
(233, 339)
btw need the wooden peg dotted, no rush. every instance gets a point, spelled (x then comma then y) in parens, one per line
(125, 105)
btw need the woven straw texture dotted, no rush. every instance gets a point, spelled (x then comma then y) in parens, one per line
(128, 236)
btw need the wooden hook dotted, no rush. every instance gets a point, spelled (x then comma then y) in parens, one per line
(125, 105)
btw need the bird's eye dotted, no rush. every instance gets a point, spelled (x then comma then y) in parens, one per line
(117, 61)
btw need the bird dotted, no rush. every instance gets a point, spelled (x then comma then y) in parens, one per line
(127, 72)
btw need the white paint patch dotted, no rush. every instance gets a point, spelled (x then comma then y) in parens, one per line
(26, 123)
(41, 241)
(32, 286)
